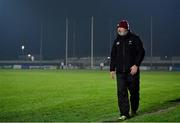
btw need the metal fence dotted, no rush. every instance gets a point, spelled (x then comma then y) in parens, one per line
(155, 63)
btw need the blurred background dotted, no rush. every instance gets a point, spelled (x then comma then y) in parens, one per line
(57, 34)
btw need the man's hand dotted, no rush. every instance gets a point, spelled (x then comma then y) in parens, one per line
(134, 69)
(113, 73)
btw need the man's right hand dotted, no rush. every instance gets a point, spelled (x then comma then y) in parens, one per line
(113, 74)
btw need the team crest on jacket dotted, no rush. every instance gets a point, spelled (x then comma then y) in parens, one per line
(118, 43)
(130, 42)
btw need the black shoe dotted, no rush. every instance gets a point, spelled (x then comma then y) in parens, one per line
(133, 113)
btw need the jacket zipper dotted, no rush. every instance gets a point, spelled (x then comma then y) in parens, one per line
(123, 56)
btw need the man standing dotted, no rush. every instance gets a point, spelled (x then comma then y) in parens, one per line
(126, 56)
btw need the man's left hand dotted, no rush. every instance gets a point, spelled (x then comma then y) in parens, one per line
(134, 69)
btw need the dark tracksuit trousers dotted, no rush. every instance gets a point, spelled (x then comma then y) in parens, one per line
(126, 82)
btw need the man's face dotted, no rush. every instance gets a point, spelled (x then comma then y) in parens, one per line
(122, 31)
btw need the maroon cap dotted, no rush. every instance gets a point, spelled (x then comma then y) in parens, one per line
(123, 24)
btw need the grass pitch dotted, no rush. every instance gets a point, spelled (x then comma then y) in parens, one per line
(83, 95)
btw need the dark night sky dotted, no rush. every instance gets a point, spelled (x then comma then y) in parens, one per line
(21, 21)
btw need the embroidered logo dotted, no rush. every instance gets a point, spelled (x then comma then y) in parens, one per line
(118, 43)
(130, 42)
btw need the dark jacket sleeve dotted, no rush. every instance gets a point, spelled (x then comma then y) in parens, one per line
(113, 57)
(140, 51)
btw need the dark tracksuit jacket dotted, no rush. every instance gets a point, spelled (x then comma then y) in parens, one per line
(127, 51)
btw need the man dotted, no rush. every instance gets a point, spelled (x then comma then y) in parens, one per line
(126, 56)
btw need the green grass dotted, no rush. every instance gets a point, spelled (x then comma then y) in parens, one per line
(82, 95)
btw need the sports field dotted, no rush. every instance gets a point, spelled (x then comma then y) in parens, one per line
(83, 95)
